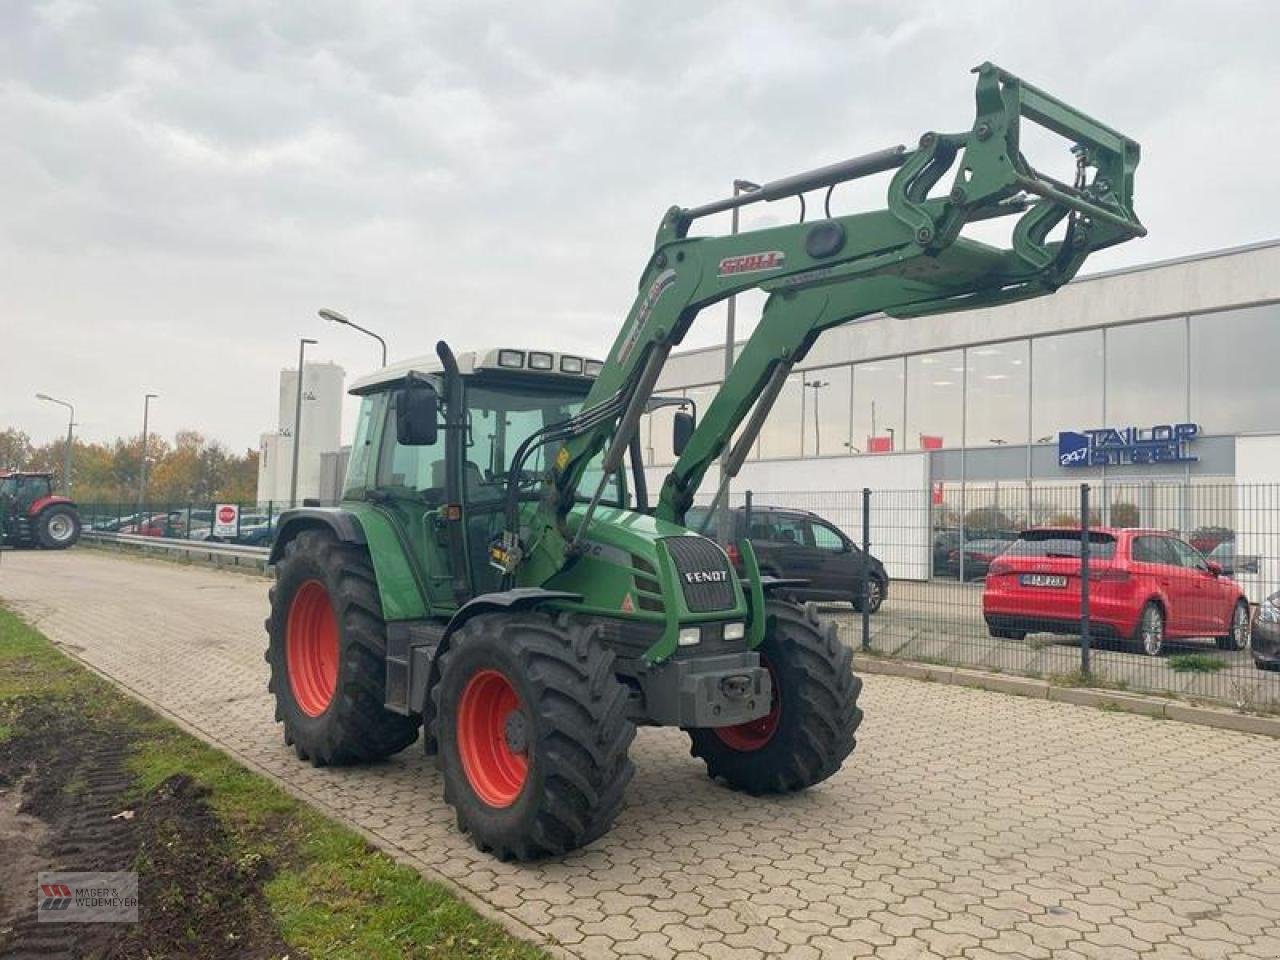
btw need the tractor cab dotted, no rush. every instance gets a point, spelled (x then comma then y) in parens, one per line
(423, 477)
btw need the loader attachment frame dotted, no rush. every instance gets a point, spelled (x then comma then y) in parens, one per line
(908, 259)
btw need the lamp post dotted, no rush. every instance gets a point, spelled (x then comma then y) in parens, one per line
(297, 422)
(815, 386)
(71, 422)
(731, 316)
(142, 484)
(333, 316)
(893, 438)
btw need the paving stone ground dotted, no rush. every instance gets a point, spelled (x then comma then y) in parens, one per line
(967, 824)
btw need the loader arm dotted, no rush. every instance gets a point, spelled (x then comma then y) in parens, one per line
(907, 259)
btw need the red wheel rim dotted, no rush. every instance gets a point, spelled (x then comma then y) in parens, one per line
(755, 734)
(311, 648)
(489, 719)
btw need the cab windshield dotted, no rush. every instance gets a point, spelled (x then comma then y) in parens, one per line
(500, 417)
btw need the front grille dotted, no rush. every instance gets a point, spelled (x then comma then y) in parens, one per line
(629, 638)
(698, 555)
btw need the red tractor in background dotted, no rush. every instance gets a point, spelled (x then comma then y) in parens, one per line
(31, 515)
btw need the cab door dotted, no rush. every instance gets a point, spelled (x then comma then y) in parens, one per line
(406, 484)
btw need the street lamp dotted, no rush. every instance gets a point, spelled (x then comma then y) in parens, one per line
(731, 316)
(893, 438)
(815, 386)
(142, 486)
(71, 422)
(333, 316)
(297, 422)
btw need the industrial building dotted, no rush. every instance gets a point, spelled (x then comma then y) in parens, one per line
(320, 461)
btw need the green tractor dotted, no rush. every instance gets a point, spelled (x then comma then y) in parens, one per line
(497, 574)
(32, 515)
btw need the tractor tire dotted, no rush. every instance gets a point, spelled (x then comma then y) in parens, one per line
(57, 528)
(810, 730)
(532, 730)
(327, 646)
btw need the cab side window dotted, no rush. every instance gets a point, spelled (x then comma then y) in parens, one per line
(409, 470)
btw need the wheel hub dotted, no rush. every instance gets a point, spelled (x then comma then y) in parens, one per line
(516, 732)
(493, 738)
(311, 648)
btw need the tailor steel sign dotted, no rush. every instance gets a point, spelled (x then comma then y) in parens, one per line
(1128, 446)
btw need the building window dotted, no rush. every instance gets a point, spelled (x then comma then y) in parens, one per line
(780, 435)
(1233, 383)
(825, 411)
(1066, 384)
(877, 406)
(935, 401)
(1146, 368)
(996, 394)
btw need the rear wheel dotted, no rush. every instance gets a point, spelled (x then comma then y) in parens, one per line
(1238, 636)
(57, 528)
(532, 734)
(327, 650)
(1149, 632)
(809, 730)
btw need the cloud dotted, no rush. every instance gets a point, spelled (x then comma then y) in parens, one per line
(184, 184)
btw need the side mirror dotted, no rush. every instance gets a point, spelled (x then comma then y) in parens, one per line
(1215, 567)
(682, 425)
(417, 409)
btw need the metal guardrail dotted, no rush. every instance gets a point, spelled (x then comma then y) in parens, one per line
(218, 554)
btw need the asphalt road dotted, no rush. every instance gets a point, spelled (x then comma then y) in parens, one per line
(967, 824)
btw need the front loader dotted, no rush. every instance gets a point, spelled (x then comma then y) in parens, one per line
(497, 576)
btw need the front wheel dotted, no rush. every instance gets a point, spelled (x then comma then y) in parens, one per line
(532, 734)
(57, 528)
(1237, 637)
(809, 731)
(876, 589)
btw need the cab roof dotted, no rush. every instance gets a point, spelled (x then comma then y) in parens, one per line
(514, 360)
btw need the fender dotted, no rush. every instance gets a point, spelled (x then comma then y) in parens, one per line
(292, 522)
(520, 598)
(38, 505)
(422, 681)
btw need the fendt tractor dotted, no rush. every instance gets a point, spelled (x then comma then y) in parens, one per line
(497, 573)
(32, 515)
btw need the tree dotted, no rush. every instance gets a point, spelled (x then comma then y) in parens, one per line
(15, 449)
(1125, 515)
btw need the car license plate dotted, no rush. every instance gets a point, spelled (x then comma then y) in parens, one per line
(1042, 580)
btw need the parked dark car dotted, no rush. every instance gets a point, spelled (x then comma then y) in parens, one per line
(981, 547)
(978, 555)
(796, 544)
(1266, 634)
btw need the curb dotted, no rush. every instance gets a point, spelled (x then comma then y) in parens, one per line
(1124, 702)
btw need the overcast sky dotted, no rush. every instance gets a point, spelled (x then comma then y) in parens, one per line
(184, 184)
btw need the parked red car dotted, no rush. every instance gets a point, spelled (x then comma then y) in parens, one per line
(1144, 585)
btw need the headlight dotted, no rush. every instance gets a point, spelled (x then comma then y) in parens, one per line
(688, 636)
(1269, 612)
(735, 631)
